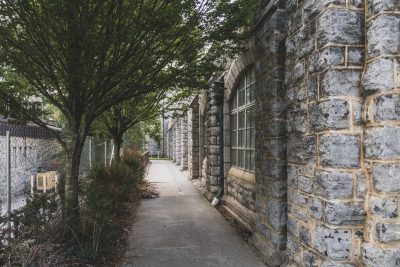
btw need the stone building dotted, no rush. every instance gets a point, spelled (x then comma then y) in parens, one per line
(32, 150)
(300, 136)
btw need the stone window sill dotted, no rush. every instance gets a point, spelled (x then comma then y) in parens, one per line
(242, 175)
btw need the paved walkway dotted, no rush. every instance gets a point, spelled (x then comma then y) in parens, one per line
(181, 228)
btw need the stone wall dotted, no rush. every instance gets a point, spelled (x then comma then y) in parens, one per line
(214, 142)
(193, 139)
(270, 162)
(32, 151)
(382, 133)
(326, 182)
(184, 142)
(326, 190)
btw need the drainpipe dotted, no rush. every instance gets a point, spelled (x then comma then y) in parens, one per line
(219, 92)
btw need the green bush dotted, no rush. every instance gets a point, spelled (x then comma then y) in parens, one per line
(104, 191)
(105, 188)
(135, 162)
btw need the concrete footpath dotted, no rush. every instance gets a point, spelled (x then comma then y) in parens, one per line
(181, 228)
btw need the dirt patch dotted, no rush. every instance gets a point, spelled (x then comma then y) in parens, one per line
(148, 190)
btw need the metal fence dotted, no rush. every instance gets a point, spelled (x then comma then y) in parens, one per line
(34, 163)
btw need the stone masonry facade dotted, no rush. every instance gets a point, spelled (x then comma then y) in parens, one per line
(31, 151)
(325, 189)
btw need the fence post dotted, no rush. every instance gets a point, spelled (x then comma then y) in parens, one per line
(44, 183)
(105, 153)
(32, 184)
(8, 173)
(90, 152)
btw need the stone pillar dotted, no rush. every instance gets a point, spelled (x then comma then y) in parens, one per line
(193, 139)
(213, 139)
(324, 62)
(382, 134)
(184, 142)
(178, 144)
(270, 158)
(173, 142)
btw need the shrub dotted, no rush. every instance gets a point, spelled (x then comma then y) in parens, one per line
(135, 162)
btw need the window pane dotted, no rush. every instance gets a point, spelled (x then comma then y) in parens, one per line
(234, 122)
(248, 117)
(242, 122)
(234, 157)
(252, 138)
(248, 140)
(234, 101)
(252, 118)
(248, 159)
(234, 139)
(242, 84)
(252, 77)
(242, 152)
(239, 158)
(252, 162)
(248, 78)
(251, 93)
(241, 138)
(242, 98)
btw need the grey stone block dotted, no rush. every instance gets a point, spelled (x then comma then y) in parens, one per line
(340, 151)
(313, 7)
(355, 56)
(328, 57)
(387, 107)
(379, 75)
(292, 226)
(376, 6)
(384, 35)
(386, 177)
(352, 213)
(378, 257)
(292, 176)
(309, 259)
(297, 199)
(305, 235)
(331, 114)
(333, 185)
(298, 213)
(383, 142)
(305, 184)
(341, 83)
(301, 149)
(385, 207)
(361, 184)
(388, 232)
(317, 208)
(340, 27)
(276, 213)
(337, 264)
(335, 244)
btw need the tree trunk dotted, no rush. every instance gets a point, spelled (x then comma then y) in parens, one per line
(71, 199)
(117, 148)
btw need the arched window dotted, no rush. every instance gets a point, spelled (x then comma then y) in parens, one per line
(243, 123)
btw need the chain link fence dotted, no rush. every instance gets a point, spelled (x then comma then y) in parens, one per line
(30, 160)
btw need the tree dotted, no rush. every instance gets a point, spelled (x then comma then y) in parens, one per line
(120, 118)
(86, 56)
(83, 57)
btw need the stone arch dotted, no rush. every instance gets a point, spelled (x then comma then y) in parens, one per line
(236, 69)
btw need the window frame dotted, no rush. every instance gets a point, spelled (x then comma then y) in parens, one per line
(243, 123)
